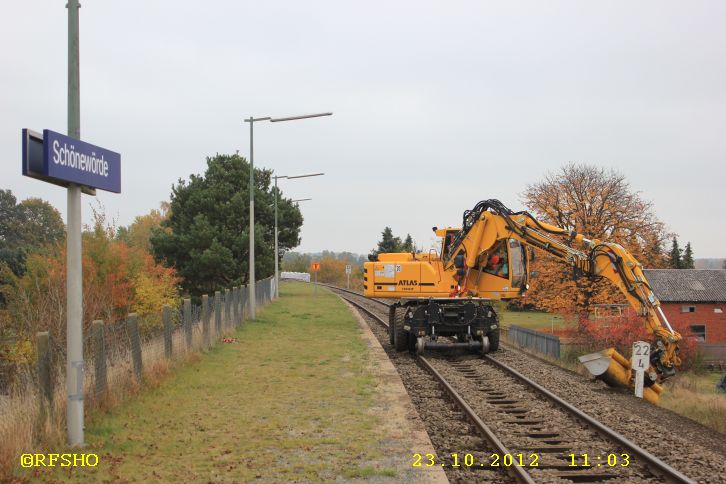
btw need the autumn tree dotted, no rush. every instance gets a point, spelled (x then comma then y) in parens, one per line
(332, 271)
(9, 219)
(117, 279)
(599, 204)
(296, 262)
(620, 332)
(26, 227)
(138, 234)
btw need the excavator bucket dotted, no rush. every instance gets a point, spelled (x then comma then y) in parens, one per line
(614, 369)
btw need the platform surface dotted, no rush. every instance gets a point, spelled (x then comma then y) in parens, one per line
(305, 393)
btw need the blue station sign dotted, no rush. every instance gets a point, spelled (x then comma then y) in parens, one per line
(62, 160)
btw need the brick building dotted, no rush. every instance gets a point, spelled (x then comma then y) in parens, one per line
(693, 299)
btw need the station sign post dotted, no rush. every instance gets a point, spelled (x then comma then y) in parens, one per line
(639, 362)
(80, 167)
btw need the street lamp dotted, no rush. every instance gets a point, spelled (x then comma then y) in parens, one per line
(252, 120)
(277, 252)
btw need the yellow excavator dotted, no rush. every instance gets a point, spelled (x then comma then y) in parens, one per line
(447, 294)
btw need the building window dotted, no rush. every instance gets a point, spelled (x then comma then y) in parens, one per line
(718, 310)
(688, 309)
(698, 331)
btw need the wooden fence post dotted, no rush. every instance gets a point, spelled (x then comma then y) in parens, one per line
(168, 330)
(218, 313)
(235, 306)
(45, 382)
(99, 356)
(188, 322)
(205, 320)
(132, 326)
(243, 303)
(227, 307)
(241, 294)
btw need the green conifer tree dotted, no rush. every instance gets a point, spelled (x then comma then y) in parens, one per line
(408, 245)
(687, 261)
(675, 260)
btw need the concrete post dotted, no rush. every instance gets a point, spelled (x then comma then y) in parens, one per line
(45, 382)
(237, 312)
(217, 313)
(168, 330)
(132, 326)
(188, 322)
(99, 356)
(227, 307)
(205, 320)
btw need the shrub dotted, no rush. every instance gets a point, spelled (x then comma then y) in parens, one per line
(622, 331)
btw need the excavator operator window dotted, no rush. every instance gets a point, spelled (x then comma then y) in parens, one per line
(448, 239)
(498, 262)
(517, 263)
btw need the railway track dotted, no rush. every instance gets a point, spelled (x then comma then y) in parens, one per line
(519, 431)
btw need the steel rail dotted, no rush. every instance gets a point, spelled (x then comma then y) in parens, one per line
(656, 465)
(352, 292)
(516, 472)
(365, 310)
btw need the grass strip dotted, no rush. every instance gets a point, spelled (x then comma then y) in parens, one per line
(289, 400)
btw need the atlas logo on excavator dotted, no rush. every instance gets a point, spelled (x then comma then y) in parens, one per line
(404, 282)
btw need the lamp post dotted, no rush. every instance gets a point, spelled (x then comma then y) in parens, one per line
(252, 120)
(277, 250)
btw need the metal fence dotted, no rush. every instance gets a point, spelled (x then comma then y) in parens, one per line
(534, 340)
(713, 355)
(118, 356)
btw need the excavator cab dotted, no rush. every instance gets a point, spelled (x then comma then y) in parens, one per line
(447, 238)
(501, 271)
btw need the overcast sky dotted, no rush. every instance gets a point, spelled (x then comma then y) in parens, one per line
(437, 105)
